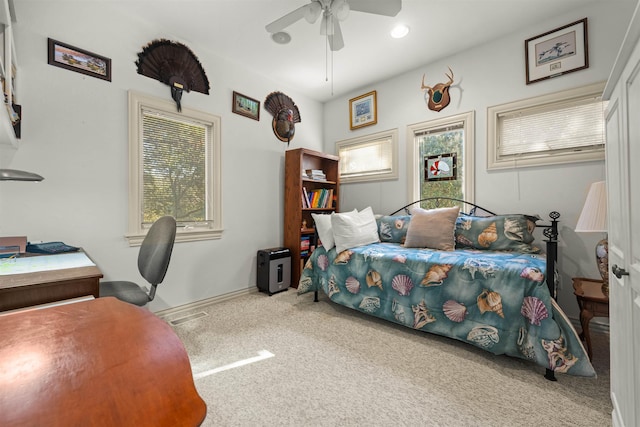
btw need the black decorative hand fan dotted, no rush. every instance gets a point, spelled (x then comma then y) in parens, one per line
(285, 114)
(173, 64)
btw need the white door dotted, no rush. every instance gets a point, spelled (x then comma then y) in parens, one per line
(623, 188)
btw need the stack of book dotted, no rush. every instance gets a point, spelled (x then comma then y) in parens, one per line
(318, 198)
(316, 174)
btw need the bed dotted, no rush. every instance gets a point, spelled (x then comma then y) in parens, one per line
(459, 271)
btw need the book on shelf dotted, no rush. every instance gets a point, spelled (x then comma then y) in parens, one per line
(305, 245)
(320, 198)
(305, 198)
(316, 174)
(316, 198)
(305, 242)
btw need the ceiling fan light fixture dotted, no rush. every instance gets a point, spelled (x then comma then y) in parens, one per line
(313, 12)
(281, 37)
(340, 9)
(399, 31)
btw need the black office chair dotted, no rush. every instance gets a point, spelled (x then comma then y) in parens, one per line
(153, 261)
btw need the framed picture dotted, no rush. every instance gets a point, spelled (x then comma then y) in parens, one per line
(363, 110)
(441, 167)
(79, 60)
(557, 52)
(245, 106)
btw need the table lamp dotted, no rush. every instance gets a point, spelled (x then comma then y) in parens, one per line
(594, 219)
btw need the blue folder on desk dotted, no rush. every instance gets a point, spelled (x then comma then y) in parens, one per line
(50, 248)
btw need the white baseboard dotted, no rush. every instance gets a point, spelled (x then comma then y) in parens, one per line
(205, 302)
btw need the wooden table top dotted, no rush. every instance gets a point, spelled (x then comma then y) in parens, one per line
(589, 289)
(98, 362)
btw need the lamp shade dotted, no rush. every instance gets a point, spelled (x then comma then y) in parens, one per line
(17, 175)
(594, 213)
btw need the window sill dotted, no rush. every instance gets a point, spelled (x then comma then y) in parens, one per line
(181, 236)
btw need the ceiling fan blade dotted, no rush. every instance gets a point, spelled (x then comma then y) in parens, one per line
(288, 19)
(387, 7)
(335, 40)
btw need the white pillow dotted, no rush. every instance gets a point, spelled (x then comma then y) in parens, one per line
(351, 230)
(323, 228)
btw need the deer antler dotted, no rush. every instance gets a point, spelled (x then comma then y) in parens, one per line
(450, 76)
(423, 85)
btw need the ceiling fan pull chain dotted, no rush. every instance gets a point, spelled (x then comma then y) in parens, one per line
(331, 73)
(326, 60)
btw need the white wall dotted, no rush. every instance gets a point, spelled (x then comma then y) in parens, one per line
(74, 133)
(488, 75)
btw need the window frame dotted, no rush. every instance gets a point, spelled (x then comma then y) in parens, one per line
(544, 158)
(361, 141)
(213, 230)
(413, 179)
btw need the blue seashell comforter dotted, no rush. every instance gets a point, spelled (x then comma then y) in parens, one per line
(495, 300)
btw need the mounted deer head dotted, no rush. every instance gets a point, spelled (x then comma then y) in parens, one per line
(438, 94)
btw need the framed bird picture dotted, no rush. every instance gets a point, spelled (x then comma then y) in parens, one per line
(363, 110)
(245, 106)
(442, 167)
(78, 60)
(557, 52)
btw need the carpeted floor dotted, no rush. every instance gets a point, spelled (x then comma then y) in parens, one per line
(334, 366)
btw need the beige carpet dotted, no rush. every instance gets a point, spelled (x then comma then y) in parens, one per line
(335, 366)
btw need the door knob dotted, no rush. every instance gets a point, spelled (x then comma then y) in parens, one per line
(619, 272)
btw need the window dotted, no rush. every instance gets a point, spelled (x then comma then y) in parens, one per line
(369, 158)
(174, 169)
(563, 127)
(441, 158)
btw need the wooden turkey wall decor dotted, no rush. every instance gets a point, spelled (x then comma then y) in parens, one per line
(437, 97)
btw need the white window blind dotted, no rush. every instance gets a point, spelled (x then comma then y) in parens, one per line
(576, 125)
(368, 158)
(374, 157)
(439, 130)
(174, 168)
(559, 128)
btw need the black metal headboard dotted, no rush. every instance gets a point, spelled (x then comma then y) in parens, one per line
(466, 208)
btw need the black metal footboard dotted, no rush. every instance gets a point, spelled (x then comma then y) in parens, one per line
(551, 233)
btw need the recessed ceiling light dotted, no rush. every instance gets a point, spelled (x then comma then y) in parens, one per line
(281, 37)
(399, 31)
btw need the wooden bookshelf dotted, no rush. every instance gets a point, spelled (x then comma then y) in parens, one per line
(296, 163)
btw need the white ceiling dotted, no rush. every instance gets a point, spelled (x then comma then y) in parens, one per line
(235, 29)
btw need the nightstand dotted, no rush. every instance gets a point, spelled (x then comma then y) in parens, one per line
(592, 303)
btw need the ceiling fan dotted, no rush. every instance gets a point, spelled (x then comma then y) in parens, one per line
(334, 11)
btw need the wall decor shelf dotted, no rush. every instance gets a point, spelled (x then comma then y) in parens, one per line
(299, 231)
